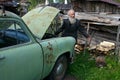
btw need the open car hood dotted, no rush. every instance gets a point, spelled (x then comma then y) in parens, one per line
(39, 19)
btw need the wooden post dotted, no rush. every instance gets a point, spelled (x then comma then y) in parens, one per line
(86, 42)
(88, 27)
(117, 51)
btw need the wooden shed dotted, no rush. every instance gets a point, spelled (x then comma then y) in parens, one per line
(109, 6)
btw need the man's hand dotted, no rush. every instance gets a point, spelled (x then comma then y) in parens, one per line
(88, 40)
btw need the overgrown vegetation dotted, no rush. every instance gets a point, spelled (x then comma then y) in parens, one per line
(85, 69)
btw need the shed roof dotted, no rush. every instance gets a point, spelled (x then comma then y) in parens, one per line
(108, 1)
(61, 6)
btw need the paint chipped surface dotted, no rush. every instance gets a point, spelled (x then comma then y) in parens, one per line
(38, 20)
(50, 56)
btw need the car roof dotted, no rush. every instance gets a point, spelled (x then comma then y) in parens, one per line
(8, 14)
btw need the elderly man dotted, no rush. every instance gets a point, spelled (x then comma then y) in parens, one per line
(71, 25)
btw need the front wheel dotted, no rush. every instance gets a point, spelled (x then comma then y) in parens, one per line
(60, 68)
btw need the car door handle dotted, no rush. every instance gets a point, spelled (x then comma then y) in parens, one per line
(2, 57)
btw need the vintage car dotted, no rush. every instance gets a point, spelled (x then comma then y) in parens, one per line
(29, 50)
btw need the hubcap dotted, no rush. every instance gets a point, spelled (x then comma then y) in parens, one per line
(60, 69)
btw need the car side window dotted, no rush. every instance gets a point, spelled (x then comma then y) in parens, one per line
(12, 34)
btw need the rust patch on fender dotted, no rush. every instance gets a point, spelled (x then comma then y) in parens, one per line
(50, 46)
(49, 56)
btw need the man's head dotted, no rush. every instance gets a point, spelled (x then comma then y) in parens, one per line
(71, 15)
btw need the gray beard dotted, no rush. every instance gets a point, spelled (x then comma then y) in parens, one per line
(72, 20)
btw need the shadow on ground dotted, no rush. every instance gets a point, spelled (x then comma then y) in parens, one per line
(69, 77)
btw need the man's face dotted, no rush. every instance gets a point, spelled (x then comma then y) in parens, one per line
(72, 17)
(72, 14)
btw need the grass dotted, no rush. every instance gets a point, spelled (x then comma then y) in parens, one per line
(85, 69)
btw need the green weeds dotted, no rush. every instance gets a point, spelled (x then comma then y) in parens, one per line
(84, 68)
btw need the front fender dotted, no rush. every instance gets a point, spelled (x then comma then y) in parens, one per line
(66, 44)
(53, 49)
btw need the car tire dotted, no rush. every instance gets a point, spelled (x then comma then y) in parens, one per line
(59, 70)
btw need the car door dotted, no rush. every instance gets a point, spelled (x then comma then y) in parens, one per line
(21, 57)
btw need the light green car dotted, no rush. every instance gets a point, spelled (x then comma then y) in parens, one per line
(29, 50)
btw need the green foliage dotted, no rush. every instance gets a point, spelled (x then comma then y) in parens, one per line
(34, 3)
(119, 0)
(85, 69)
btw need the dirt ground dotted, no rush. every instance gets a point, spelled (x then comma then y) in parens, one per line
(69, 77)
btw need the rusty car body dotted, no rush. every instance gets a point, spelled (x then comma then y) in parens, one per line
(29, 50)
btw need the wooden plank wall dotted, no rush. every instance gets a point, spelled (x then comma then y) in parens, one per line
(87, 6)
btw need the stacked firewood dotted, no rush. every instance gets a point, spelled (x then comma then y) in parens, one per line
(103, 48)
(79, 47)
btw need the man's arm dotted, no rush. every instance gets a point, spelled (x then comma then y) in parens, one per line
(84, 32)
